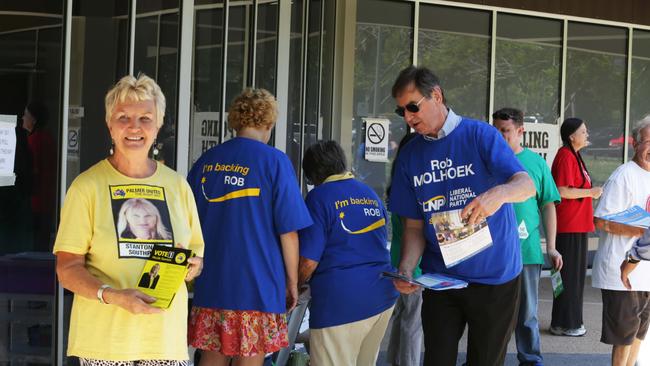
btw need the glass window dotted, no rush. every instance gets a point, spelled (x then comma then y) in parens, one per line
(640, 85)
(313, 75)
(30, 99)
(266, 46)
(294, 107)
(595, 91)
(384, 44)
(309, 108)
(156, 54)
(206, 78)
(455, 44)
(237, 56)
(528, 66)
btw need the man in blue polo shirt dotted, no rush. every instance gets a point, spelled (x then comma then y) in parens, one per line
(463, 170)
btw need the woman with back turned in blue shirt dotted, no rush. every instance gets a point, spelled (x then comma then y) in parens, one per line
(250, 208)
(342, 255)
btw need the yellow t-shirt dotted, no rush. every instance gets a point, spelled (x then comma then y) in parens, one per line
(99, 202)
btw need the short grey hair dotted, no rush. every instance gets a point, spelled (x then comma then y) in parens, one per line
(137, 89)
(640, 126)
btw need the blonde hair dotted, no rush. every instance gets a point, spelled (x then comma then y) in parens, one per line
(141, 203)
(253, 108)
(129, 88)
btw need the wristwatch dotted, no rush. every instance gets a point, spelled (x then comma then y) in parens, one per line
(630, 259)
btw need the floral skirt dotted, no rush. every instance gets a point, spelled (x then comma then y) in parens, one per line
(237, 333)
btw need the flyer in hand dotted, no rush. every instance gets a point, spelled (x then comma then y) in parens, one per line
(431, 281)
(458, 240)
(635, 216)
(164, 273)
(556, 283)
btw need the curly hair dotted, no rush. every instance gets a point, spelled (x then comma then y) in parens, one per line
(131, 89)
(253, 108)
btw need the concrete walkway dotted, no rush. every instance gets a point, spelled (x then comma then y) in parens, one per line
(578, 351)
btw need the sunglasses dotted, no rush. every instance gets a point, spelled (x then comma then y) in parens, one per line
(503, 116)
(411, 107)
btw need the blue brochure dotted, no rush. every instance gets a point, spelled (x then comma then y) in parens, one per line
(432, 281)
(635, 216)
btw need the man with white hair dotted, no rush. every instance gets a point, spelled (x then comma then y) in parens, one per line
(626, 306)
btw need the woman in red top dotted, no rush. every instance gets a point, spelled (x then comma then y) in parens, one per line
(574, 222)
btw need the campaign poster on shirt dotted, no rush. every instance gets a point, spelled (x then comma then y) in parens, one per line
(141, 219)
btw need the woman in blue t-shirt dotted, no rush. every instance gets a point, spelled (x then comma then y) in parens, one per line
(250, 208)
(342, 255)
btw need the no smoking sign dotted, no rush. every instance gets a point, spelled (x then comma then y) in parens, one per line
(376, 144)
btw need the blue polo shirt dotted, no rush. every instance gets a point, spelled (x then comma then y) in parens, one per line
(450, 172)
(247, 195)
(349, 241)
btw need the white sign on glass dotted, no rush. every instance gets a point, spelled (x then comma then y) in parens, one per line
(376, 143)
(542, 138)
(205, 134)
(7, 149)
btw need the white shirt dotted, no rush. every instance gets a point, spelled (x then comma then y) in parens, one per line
(629, 185)
(451, 122)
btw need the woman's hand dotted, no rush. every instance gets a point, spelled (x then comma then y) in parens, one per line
(596, 192)
(292, 296)
(131, 300)
(195, 268)
(556, 259)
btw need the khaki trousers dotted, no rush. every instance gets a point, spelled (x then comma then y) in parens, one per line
(351, 344)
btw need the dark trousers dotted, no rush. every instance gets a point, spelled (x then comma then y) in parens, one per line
(490, 313)
(567, 308)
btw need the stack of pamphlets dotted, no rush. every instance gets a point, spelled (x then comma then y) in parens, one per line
(432, 281)
(635, 216)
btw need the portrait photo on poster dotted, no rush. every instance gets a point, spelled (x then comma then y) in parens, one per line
(141, 218)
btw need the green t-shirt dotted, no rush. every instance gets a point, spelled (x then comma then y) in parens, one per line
(396, 244)
(528, 212)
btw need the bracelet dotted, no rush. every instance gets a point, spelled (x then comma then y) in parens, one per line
(100, 293)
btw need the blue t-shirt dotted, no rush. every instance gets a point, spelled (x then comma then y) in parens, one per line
(434, 176)
(348, 240)
(247, 195)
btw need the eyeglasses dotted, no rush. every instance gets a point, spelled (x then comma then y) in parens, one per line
(411, 107)
(503, 116)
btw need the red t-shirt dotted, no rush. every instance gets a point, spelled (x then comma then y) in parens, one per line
(573, 215)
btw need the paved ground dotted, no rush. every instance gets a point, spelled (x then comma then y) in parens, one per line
(586, 350)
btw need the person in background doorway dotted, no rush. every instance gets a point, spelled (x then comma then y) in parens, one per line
(510, 122)
(405, 344)
(574, 223)
(343, 255)
(251, 209)
(625, 312)
(43, 149)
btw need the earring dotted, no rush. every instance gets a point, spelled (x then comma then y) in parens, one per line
(112, 150)
(155, 148)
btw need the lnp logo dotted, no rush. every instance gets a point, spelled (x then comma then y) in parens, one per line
(434, 204)
(119, 193)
